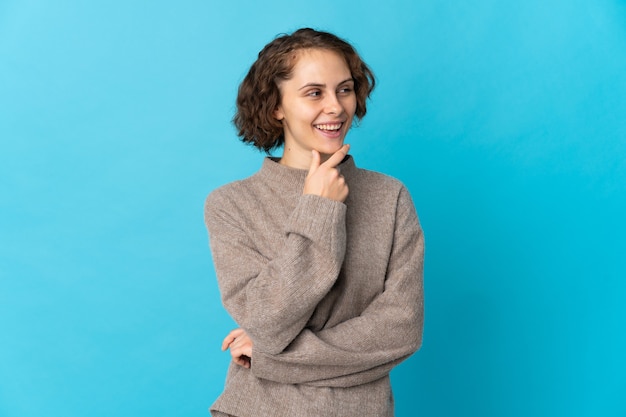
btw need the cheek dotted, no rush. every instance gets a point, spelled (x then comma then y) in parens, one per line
(352, 106)
(307, 115)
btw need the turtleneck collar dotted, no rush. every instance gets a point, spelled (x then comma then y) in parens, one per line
(292, 179)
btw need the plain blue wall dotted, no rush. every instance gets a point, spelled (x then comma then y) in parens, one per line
(506, 120)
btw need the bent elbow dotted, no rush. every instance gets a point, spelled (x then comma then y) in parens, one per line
(417, 342)
(415, 337)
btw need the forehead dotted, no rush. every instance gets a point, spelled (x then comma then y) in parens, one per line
(319, 63)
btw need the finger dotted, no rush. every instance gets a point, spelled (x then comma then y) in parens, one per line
(336, 158)
(242, 361)
(240, 352)
(247, 362)
(227, 341)
(315, 161)
(234, 352)
(230, 338)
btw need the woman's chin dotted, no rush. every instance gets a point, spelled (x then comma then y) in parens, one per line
(328, 151)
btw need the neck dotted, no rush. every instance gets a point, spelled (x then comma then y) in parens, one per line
(299, 160)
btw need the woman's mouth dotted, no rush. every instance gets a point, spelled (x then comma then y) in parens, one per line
(329, 127)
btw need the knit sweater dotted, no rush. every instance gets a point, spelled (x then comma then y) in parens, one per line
(330, 293)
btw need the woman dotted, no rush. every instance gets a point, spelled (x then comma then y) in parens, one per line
(319, 262)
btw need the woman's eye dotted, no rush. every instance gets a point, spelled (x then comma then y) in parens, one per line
(315, 93)
(345, 90)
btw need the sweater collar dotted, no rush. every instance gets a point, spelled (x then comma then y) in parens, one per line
(292, 179)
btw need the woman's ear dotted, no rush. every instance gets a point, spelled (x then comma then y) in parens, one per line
(278, 114)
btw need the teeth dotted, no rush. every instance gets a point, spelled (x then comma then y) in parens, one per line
(335, 126)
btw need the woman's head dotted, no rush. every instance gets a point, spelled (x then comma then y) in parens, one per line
(259, 95)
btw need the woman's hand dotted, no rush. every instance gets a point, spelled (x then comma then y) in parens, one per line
(324, 179)
(240, 346)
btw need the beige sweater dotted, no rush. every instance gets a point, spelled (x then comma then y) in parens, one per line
(330, 293)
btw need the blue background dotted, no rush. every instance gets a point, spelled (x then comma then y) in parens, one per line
(506, 120)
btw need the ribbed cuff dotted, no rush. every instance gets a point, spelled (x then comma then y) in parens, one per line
(318, 218)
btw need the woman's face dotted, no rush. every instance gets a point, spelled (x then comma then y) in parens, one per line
(317, 106)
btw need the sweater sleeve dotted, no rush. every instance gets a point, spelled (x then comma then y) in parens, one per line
(259, 293)
(367, 347)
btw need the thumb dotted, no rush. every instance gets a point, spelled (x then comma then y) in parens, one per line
(315, 161)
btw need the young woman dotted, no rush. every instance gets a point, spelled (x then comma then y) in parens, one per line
(319, 262)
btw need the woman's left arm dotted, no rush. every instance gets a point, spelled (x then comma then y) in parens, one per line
(367, 347)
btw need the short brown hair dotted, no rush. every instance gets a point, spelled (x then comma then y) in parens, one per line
(259, 96)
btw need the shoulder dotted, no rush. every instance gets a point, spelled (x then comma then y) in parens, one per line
(222, 195)
(229, 198)
(376, 192)
(373, 182)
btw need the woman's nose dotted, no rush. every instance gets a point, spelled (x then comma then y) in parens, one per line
(333, 105)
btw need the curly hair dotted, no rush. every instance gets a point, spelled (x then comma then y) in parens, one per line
(258, 96)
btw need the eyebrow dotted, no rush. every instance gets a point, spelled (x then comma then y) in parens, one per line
(324, 85)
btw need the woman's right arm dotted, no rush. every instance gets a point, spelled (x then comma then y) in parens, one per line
(272, 299)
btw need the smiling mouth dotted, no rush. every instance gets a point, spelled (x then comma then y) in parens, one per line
(329, 127)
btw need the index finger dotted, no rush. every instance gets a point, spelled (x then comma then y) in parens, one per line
(337, 157)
